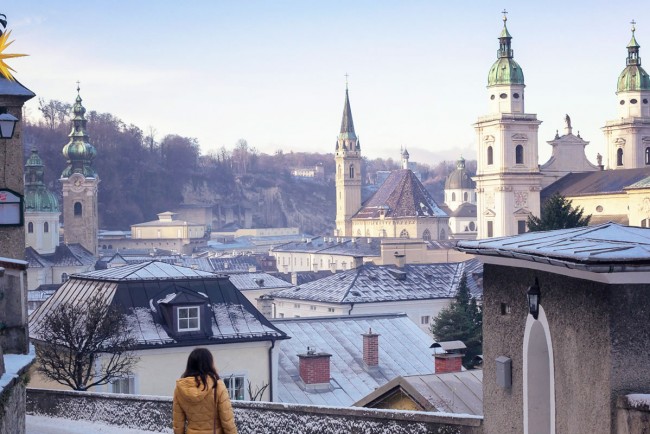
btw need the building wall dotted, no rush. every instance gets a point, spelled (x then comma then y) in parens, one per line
(43, 242)
(266, 232)
(392, 228)
(82, 228)
(181, 230)
(598, 333)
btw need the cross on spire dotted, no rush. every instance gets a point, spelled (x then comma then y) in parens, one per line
(78, 88)
(633, 25)
(505, 13)
(346, 80)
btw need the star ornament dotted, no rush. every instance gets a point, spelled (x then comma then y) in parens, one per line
(4, 68)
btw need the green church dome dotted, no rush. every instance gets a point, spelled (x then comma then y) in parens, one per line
(633, 76)
(505, 70)
(79, 152)
(37, 197)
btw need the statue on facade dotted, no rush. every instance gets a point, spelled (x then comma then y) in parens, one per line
(599, 159)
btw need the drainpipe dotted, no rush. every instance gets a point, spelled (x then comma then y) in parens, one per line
(351, 307)
(271, 370)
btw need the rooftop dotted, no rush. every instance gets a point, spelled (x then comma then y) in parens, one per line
(596, 182)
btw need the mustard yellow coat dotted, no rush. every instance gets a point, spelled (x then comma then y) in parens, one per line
(197, 407)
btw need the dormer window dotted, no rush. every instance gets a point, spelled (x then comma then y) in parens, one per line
(189, 318)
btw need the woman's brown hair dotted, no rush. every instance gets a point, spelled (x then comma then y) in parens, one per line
(200, 365)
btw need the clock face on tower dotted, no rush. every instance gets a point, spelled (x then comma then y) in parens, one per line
(77, 182)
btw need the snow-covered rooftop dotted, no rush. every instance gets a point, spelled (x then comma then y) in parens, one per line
(603, 248)
(403, 350)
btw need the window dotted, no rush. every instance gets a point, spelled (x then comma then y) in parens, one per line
(633, 101)
(472, 226)
(351, 171)
(443, 235)
(77, 209)
(46, 227)
(188, 318)
(465, 197)
(64, 277)
(235, 386)
(281, 315)
(515, 95)
(30, 227)
(519, 154)
(647, 156)
(521, 226)
(490, 229)
(424, 320)
(503, 96)
(296, 306)
(330, 309)
(426, 235)
(490, 156)
(404, 234)
(453, 197)
(312, 307)
(645, 223)
(123, 385)
(619, 157)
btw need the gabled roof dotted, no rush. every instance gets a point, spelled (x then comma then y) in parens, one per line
(142, 291)
(359, 246)
(598, 182)
(65, 255)
(403, 350)
(303, 277)
(452, 392)
(250, 281)
(371, 283)
(603, 248)
(401, 195)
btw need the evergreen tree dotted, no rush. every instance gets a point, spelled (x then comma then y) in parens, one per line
(461, 321)
(557, 213)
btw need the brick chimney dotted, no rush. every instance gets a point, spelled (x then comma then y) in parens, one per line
(371, 348)
(448, 356)
(314, 367)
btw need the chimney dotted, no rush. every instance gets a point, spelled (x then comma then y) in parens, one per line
(400, 259)
(333, 267)
(371, 348)
(314, 367)
(265, 305)
(294, 278)
(448, 356)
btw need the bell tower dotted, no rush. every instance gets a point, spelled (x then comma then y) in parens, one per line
(80, 181)
(348, 173)
(508, 180)
(628, 138)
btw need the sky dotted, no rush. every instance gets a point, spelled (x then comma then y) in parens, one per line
(273, 72)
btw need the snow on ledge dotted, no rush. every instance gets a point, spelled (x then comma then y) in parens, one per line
(15, 365)
(638, 401)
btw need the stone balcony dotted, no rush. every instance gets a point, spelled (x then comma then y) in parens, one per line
(154, 414)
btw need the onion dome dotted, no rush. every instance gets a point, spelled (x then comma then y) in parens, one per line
(459, 178)
(79, 152)
(633, 76)
(505, 70)
(37, 197)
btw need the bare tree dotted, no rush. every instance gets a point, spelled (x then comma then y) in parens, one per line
(259, 391)
(82, 345)
(54, 112)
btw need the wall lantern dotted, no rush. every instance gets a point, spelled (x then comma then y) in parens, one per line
(7, 125)
(534, 296)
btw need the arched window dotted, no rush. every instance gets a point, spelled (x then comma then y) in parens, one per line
(77, 209)
(490, 156)
(443, 234)
(619, 157)
(472, 226)
(351, 171)
(647, 156)
(358, 232)
(426, 235)
(453, 197)
(46, 227)
(404, 234)
(30, 227)
(465, 197)
(519, 154)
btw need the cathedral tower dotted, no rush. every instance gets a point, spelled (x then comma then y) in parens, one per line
(79, 179)
(628, 138)
(348, 173)
(41, 208)
(508, 180)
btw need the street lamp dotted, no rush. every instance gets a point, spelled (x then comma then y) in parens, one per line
(534, 296)
(7, 125)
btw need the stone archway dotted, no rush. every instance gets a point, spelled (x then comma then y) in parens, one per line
(539, 378)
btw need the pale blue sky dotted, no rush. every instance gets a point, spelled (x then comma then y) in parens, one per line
(272, 72)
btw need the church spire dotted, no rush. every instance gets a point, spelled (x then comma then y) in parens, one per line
(79, 152)
(633, 49)
(347, 125)
(505, 40)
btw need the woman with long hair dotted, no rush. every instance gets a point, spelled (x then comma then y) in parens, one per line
(201, 401)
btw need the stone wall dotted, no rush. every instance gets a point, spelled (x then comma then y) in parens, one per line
(633, 414)
(12, 401)
(154, 414)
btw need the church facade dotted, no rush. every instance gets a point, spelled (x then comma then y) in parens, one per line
(511, 184)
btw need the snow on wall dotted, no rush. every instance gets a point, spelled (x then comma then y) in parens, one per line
(154, 414)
